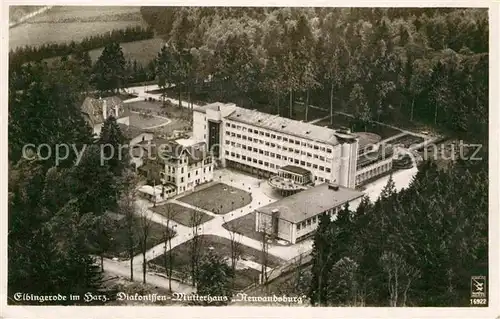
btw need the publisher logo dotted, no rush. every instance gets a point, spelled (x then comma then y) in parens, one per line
(478, 287)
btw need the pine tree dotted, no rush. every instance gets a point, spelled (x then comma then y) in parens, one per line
(114, 146)
(214, 278)
(109, 69)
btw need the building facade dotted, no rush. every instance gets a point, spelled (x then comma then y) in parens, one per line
(96, 111)
(296, 217)
(261, 143)
(186, 167)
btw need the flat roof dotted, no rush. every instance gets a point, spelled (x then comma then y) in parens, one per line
(279, 124)
(295, 169)
(310, 202)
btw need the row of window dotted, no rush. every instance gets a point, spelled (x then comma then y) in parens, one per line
(311, 220)
(171, 169)
(284, 158)
(277, 137)
(289, 149)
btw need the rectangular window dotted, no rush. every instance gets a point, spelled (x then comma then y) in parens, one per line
(321, 168)
(233, 126)
(273, 155)
(267, 143)
(244, 147)
(238, 135)
(250, 130)
(297, 151)
(309, 222)
(291, 141)
(322, 149)
(278, 156)
(261, 152)
(243, 157)
(303, 163)
(315, 166)
(227, 152)
(182, 179)
(296, 161)
(260, 162)
(232, 154)
(328, 150)
(261, 141)
(284, 158)
(228, 133)
(261, 133)
(322, 158)
(328, 170)
(237, 155)
(254, 160)
(273, 136)
(272, 165)
(228, 125)
(238, 127)
(273, 145)
(267, 134)
(232, 134)
(316, 156)
(266, 164)
(278, 138)
(298, 226)
(285, 148)
(244, 129)
(316, 147)
(227, 142)
(297, 142)
(233, 143)
(309, 155)
(250, 139)
(238, 145)
(244, 137)
(285, 139)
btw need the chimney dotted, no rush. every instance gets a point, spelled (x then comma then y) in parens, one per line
(104, 109)
(117, 108)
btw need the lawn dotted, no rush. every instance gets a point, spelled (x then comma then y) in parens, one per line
(182, 215)
(73, 23)
(145, 121)
(119, 236)
(222, 247)
(143, 51)
(245, 226)
(219, 198)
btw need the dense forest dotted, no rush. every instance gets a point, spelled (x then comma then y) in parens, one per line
(397, 65)
(417, 247)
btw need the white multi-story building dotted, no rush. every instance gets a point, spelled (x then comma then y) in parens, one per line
(262, 143)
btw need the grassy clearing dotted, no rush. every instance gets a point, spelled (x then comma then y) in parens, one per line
(219, 198)
(73, 23)
(182, 215)
(143, 51)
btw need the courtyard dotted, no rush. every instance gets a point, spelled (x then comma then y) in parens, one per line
(183, 215)
(219, 198)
